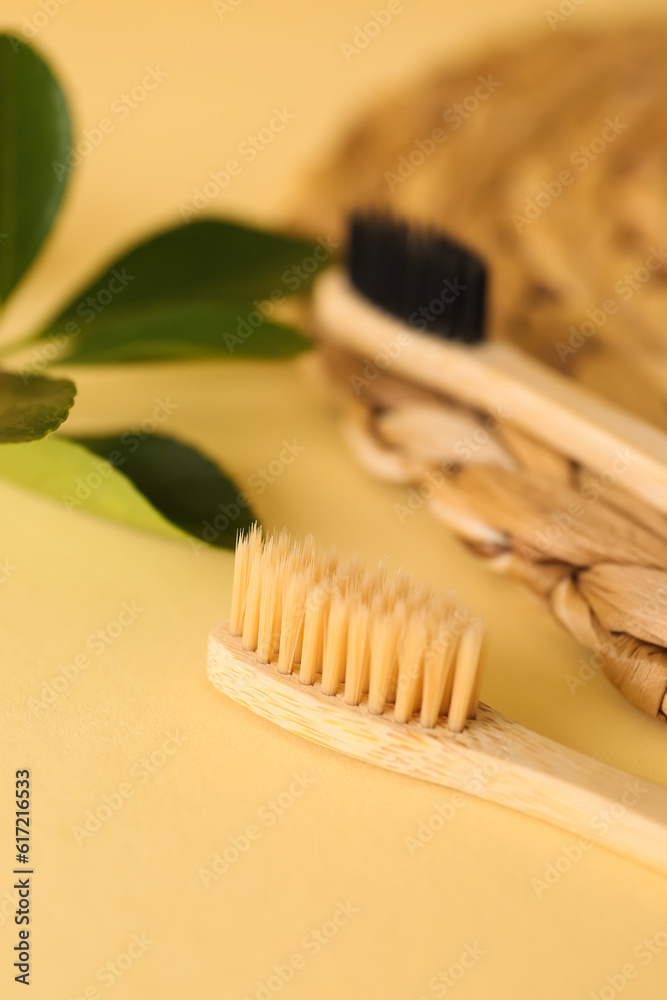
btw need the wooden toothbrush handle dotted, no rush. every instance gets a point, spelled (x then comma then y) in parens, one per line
(498, 378)
(578, 793)
(493, 758)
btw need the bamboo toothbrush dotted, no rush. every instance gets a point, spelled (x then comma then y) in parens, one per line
(403, 284)
(389, 672)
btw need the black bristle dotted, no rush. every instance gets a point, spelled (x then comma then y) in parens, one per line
(418, 275)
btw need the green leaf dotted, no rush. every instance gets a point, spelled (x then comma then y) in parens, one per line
(182, 331)
(193, 291)
(70, 474)
(34, 139)
(31, 406)
(180, 482)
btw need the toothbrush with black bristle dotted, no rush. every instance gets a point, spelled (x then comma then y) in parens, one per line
(421, 296)
(387, 669)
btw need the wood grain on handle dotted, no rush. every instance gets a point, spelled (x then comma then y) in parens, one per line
(498, 378)
(493, 758)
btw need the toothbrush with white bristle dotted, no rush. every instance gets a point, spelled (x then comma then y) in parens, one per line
(389, 672)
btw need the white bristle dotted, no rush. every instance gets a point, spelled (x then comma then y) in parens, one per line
(465, 677)
(267, 632)
(278, 610)
(335, 645)
(239, 586)
(358, 655)
(411, 669)
(438, 670)
(247, 546)
(317, 609)
(291, 630)
(379, 640)
(252, 604)
(384, 642)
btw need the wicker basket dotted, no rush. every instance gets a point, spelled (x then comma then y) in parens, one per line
(550, 161)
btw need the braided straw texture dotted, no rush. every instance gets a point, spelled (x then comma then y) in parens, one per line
(595, 553)
(578, 279)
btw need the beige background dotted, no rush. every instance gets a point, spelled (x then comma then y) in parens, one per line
(343, 839)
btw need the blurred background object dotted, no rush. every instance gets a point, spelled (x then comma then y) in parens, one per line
(548, 158)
